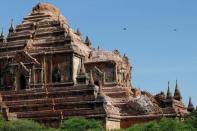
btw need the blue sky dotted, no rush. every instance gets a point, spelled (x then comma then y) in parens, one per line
(156, 51)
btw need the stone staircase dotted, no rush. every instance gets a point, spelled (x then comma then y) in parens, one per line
(52, 105)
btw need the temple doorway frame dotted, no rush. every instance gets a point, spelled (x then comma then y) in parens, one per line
(21, 81)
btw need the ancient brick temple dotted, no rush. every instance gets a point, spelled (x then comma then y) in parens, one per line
(49, 73)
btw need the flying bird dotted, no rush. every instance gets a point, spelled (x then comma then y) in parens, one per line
(124, 28)
(174, 29)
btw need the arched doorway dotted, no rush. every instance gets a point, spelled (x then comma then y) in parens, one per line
(23, 83)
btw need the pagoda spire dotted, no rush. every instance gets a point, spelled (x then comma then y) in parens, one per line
(177, 94)
(68, 36)
(87, 41)
(11, 29)
(169, 95)
(190, 107)
(1, 31)
(82, 77)
(126, 59)
(58, 17)
(2, 36)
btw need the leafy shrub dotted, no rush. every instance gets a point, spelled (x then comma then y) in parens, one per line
(80, 124)
(151, 126)
(170, 124)
(192, 120)
(21, 125)
(1, 121)
(165, 124)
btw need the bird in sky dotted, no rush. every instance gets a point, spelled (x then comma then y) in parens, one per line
(124, 28)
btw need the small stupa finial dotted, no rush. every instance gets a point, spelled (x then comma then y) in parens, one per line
(78, 32)
(12, 21)
(2, 33)
(11, 29)
(2, 36)
(190, 107)
(169, 95)
(58, 17)
(82, 69)
(177, 94)
(68, 36)
(87, 41)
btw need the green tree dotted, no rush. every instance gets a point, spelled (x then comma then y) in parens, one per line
(22, 125)
(192, 119)
(170, 124)
(165, 124)
(81, 124)
(2, 121)
(150, 126)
